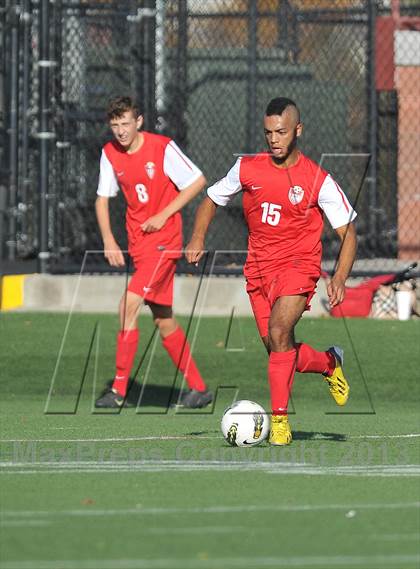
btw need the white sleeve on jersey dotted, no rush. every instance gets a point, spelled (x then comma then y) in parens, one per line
(108, 185)
(223, 191)
(179, 167)
(333, 201)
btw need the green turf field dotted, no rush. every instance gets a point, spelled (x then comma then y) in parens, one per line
(152, 488)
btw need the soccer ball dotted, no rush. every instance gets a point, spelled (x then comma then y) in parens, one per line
(245, 423)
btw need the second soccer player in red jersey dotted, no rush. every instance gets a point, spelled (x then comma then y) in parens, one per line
(285, 197)
(157, 181)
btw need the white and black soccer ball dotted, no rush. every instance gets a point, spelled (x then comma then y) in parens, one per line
(245, 423)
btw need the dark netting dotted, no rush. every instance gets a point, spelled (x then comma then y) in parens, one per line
(204, 72)
(3, 132)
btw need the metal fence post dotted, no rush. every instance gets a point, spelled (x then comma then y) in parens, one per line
(149, 71)
(3, 136)
(24, 182)
(143, 49)
(13, 131)
(160, 65)
(44, 135)
(182, 76)
(252, 76)
(372, 127)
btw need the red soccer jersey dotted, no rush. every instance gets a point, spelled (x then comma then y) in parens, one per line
(150, 179)
(284, 209)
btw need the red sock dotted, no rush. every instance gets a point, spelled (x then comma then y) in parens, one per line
(179, 351)
(127, 342)
(281, 371)
(311, 361)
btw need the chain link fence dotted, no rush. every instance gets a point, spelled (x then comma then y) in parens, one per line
(204, 72)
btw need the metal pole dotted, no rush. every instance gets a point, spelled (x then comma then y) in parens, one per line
(59, 179)
(13, 132)
(3, 136)
(142, 49)
(135, 49)
(373, 127)
(252, 77)
(150, 64)
(182, 77)
(44, 135)
(160, 67)
(24, 180)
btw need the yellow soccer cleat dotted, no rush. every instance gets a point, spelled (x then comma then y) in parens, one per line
(339, 388)
(280, 433)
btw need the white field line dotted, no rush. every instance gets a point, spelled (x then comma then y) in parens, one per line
(396, 537)
(103, 466)
(139, 511)
(344, 561)
(113, 439)
(317, 437)
(24, 523)
(143, 466)
(362, 469)
(407, 436)
(19, 523)
(385, 474)
(290, 473)
(201, 464)
(199, 530)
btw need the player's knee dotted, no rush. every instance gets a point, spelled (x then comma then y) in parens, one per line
(279, 337)
(161, 324)
(129, 306)
(165, 325)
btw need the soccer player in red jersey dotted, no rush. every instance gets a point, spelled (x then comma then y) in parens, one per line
(285, 196)
(157, 181)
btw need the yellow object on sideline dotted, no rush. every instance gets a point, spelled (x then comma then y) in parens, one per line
(11, 291)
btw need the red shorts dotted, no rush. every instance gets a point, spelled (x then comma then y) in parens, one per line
(265, 290)
(153, 279)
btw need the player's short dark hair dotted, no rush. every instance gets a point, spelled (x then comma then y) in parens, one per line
(120, 105)
(278, 105)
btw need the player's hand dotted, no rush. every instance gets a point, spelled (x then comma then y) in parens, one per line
(194, 250)
(113, 253)
(336, 290)
(154, 223)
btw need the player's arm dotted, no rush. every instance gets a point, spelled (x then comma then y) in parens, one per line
(107, 188)
(346, 257)
(219, 194)
(186, 176)
(112, 250)
(203, 217)
(333, 201)
(157, 221)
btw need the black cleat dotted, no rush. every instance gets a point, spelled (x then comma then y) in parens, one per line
(110, 399)
(194, 399)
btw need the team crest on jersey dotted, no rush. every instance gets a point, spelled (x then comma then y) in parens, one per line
(150, 169)
(296, 194)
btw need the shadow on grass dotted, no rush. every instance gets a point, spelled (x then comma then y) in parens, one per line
(153, 395)
(318, 435)
(303, 436)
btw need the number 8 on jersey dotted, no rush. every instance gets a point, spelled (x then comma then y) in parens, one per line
(142, 193)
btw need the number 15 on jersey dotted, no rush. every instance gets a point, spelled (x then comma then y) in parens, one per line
(270, 213)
